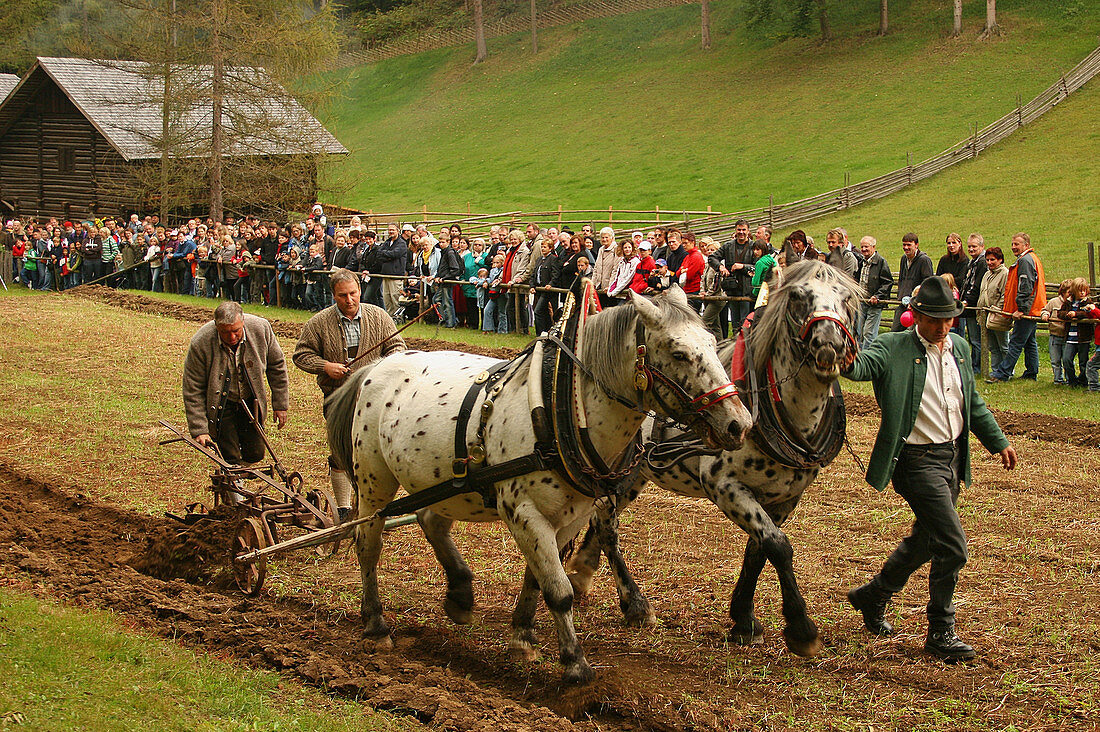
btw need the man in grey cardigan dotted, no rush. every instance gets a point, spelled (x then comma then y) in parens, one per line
(330, 346)
(223, 375)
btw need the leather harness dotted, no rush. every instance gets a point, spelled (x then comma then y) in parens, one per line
(562, 440)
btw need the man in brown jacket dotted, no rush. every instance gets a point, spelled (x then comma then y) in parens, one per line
(331, 341)
(223, 374)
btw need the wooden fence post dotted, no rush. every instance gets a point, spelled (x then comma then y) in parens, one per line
(771, 211)
(610, 215)
(658, 210)
(1092, 264)
(1019, 111)
(974, 142)
(909, 168)
(559, 216)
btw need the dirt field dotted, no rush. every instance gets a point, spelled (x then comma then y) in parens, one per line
(83, 481)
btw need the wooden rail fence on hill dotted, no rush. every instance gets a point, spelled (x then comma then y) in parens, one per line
(431, 40)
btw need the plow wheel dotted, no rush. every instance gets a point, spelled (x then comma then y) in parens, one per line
(249, 575)
(323, 501)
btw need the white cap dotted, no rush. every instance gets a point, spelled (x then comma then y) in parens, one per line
(645, 245)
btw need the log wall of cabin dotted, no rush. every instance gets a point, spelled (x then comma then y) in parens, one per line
(53, 162)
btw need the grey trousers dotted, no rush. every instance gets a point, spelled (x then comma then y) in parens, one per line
(927, 477)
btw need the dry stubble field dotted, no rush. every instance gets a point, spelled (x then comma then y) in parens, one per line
(84, 484)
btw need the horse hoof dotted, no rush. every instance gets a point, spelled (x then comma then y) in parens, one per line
(807, 648)
(523, 653)
(578, 673)
(580, 584)
(457, 613)
(639, 615)
(742, 637)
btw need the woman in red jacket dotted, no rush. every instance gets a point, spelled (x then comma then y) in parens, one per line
(691, 269)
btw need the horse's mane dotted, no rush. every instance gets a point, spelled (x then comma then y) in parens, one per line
(607, 331)
(772, 326)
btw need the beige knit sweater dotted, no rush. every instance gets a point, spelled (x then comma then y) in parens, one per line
(322, 340)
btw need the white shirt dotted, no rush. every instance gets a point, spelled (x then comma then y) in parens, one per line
(939, 417)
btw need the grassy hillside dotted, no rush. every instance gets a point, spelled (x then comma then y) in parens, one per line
(629, 112)
(1042, 180)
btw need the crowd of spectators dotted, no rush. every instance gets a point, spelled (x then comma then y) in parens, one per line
(510, 278)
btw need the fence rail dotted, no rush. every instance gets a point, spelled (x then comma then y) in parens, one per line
(432, 40)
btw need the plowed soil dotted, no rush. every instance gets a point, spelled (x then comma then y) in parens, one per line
(1027, 600)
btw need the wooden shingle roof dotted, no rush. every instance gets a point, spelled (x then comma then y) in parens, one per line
(123, 100)
(7, 83)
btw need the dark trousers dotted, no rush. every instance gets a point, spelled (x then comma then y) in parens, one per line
(237, 437)
(927, 477)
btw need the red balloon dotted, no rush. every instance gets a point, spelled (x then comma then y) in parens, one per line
(907, 318)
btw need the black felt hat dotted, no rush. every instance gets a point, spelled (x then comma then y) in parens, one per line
(935, 299)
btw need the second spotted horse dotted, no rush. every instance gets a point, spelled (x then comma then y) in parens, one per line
(786, 368)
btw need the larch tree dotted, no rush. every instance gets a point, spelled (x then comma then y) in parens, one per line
(883, 17)
(957, 25)
(479, 32)
(203, 55)
(705, 35)
(991, 27)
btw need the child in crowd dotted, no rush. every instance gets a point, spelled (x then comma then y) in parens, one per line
(584, 267)
(1076, 346)
(492, 316)
(661, 279)
(1058, 331)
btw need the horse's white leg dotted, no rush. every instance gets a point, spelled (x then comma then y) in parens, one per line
(368, 546)
(459, 602)
(377, 487)
(538, 540)
(524, 645)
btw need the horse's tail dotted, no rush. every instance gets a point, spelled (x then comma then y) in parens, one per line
(339, 411)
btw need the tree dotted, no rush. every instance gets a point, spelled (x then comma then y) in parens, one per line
(991, 28)
(479, 32)
(823, 19)
(706, 24)
(202, 58)
(883, 18)
(957, 27)
(534, 28)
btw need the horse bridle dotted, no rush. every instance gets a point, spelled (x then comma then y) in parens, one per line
(688, 408)
(817, 316)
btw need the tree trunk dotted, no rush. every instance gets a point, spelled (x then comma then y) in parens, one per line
(706, 24)
(217, 99)
(534, 28)
(957, 27)
(883, 18)
(991, 28)
(823, 18)
(479, 32)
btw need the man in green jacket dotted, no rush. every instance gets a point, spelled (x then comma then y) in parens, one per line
(924, 386)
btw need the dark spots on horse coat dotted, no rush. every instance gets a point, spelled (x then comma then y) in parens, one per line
(421, 433)
(769, 473)
(436, 472)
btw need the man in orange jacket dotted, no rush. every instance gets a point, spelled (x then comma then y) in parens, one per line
(1025, 294)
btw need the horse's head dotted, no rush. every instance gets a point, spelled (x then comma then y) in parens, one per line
(815, 313)
(679, 375)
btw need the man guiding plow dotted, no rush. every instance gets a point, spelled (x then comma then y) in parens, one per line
(334, 344)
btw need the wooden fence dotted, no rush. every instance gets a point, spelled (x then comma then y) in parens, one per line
(432, 40)
(790, 214)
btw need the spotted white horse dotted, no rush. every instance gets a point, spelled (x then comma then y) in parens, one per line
(789, 364)
(393, 424)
